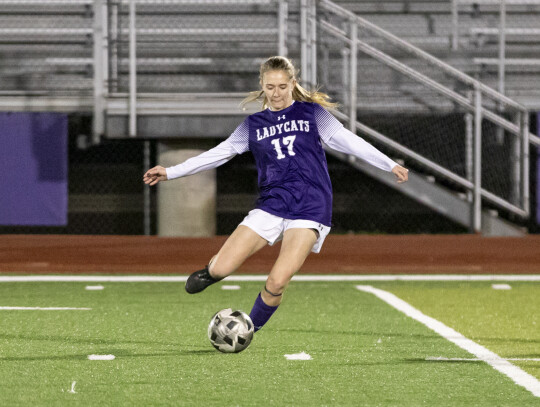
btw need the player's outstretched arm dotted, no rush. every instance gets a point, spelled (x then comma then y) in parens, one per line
(401, 173)
(154, 175)
(347, 142)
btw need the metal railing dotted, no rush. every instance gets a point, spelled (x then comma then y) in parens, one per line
(472, 102)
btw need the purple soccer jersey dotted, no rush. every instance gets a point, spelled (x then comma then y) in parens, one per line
(292, 170)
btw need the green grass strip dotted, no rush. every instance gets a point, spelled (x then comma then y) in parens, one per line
(364, 352)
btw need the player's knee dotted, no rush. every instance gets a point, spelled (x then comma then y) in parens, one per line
(277, 284)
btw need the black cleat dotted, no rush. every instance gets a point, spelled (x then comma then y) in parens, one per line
(199, 280)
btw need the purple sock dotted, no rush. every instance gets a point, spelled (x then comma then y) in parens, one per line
(261, 313)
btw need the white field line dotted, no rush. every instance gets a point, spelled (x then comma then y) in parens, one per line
(94, 287)
(43, 309)
(501, 286)
(519, 376)
(73, 388)
(443, 359)
(230, 287)
(253, 278)
(101, 357)
(299, 356)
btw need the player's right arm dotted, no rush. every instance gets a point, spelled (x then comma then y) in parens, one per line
(154, 175)
(212, 158)
(237, 143)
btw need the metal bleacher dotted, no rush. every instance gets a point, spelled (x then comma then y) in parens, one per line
(47, 48)
(151, 69)
(32, 33)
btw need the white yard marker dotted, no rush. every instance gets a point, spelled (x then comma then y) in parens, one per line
(299, 356)
(501, 286)
(101, 357)
(94, 287)
(230, 287)
(519, 376)
(443, 359)
(43, 309)
(73, 388)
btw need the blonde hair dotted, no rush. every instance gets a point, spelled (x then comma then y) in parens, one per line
(278, 63)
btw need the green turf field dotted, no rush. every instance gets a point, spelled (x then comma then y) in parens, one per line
(364, 352)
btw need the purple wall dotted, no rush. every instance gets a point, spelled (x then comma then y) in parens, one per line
(33, 169)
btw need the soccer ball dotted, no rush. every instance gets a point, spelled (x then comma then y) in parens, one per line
(230, 331)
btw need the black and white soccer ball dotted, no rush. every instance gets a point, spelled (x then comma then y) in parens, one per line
(230, 331)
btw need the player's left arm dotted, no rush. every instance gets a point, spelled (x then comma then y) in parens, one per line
(347, 142)
(401, 173)
(337, 137)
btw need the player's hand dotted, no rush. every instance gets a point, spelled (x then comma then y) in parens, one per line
(154, 175)
(401, 173)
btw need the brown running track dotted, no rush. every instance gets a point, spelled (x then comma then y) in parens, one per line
(419, 254)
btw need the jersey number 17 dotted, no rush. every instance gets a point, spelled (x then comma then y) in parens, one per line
(287, 141)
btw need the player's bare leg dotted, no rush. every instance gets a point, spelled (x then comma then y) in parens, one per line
(296, 246)
(241, 244)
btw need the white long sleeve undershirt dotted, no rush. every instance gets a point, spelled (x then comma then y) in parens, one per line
(343, 141)
(347, 142)
(212, 158)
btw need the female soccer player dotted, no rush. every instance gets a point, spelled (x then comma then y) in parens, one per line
(295, 202)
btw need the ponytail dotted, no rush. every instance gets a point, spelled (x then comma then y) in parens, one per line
(299, 93)
(303, 95)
